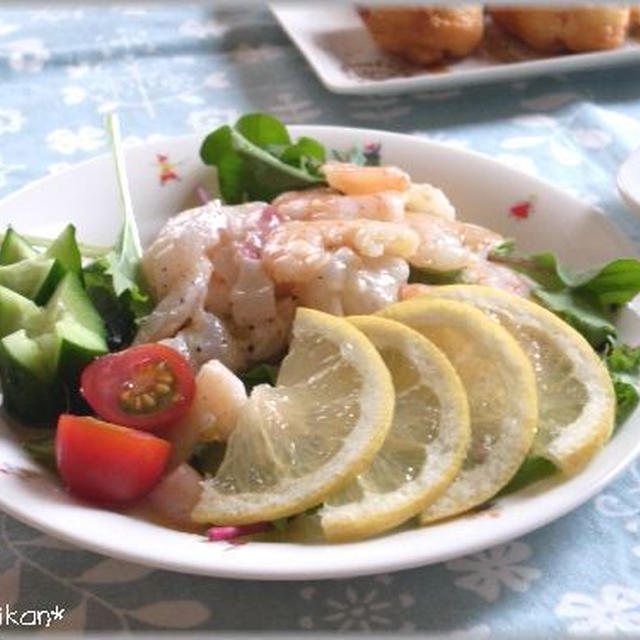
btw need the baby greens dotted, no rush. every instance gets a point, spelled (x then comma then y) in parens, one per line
(260, 374)
(113, 281)
(257, 160)
(623, 363)
(586, 300)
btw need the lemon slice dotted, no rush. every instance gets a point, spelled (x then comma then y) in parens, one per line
(424, 448)
(500, 386)
(297, 442)
(575, 394)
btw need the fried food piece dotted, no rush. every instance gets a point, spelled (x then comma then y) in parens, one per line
(426, 36)
(578, 29)
(635, 16)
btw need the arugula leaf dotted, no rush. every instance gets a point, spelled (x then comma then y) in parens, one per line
(426, 276)
(207, 457)
(280, 524)
(534, 468)
(122, 264)
(623, 363)
(591, 320)
(256, 159)
(263, 130)
(42, 450)
(614, 283)
(260, 374)
(308, 154)
(119, 313)
(503, 250)
(586, 300)
(113, 281)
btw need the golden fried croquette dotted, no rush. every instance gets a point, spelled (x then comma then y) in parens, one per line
(635, 16)
(578, 29)
(426, 35)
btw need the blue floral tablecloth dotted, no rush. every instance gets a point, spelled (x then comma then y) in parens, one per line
(176, 70)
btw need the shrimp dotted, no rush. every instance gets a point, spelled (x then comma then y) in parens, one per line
(377, 193)
(242, 240)
(229, 279)
(191, 268)
(349, 284)
(206, 336)
(447, 245)
(296, 250)
(322, 203)
(252, 297)
(212, 416)
(176, 308)
(490, 274)
(425, 198)
(183, 239)
(354, 180)
(269, 338)
(175, 496)
(440, 248)
(177, 270)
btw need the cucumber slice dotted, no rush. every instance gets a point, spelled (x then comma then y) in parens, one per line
(77, 346)
(15, 248)
(65, 250)
(36, 275)
(34, 278)
(16, 312)
(70, 300)
(40, 368)
(30, 393)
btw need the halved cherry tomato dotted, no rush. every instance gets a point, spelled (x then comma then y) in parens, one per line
(149, 386)
(107, 463)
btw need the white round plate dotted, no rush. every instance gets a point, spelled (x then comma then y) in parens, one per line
(629, 181)
(163, 176)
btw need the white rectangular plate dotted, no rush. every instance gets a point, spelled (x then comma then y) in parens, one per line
(339, 48)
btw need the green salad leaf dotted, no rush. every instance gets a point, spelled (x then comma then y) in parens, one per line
(533, 469)
(623, 363)
(586, 300)
(260, 374)
(426, 276)
(257, 160)
(43, 450)
(123, 262)
(113, 281)
(207, 457)
(119, 313)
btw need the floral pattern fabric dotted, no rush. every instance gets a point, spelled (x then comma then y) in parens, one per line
(171, 71)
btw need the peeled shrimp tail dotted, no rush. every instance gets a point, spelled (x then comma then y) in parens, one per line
(355, 180)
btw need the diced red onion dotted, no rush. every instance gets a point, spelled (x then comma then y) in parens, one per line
(202, 195)
(216, 534)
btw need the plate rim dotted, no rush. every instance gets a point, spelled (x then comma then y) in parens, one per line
(381, 564)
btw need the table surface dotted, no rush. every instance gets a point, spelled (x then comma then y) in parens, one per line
(173, 71)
